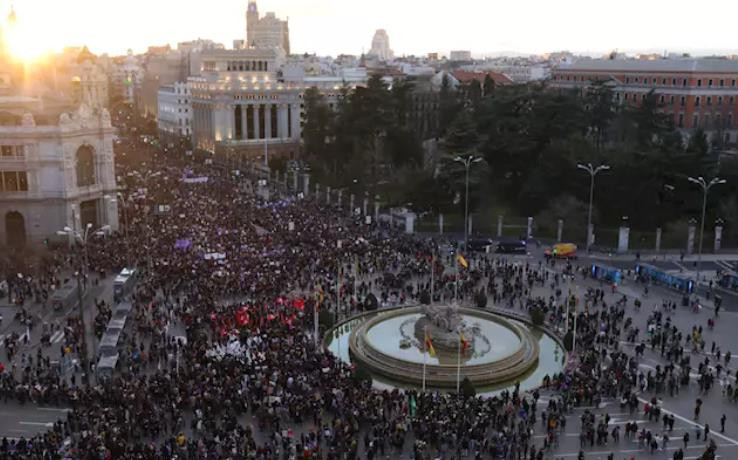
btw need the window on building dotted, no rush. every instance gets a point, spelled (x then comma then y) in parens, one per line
(673, 82)
(706, 121)
(696, 121)
(671, 100)
(720, 100)
(627, 79)
(709, 82)
(661, 99)
(730, 120)
(682, 101)
(684, 82)
(709, 100)
(636, 79)
(722, 83)
(697, 101)
(663, 81)
(731, 100)
(13, 181)
(681, 120)
(85, 166)
(732, 83)
(699, 82)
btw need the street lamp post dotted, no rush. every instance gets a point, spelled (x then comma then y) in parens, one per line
(467, 161)
(82, 238)
(706, 186)
(592, 171)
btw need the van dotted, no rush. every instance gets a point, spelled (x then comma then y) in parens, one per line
(66, 296)
(512, 247)
(106, 366)
(123, 283)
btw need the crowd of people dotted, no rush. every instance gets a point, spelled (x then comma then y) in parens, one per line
(241, 273)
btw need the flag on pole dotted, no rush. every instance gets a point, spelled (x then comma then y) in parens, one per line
(462, 261)
(464, 342)
(429, 345)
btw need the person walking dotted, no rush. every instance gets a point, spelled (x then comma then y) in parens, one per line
(722, 423)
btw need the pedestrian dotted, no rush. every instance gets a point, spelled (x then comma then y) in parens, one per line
(722, 423)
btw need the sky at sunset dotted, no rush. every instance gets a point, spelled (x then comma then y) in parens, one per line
(414, 26)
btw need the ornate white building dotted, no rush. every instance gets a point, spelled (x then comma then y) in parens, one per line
(240, 104)
(56, 160)
(381, 46)
(56, 174)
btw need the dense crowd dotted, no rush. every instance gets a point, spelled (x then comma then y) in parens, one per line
(237, 271)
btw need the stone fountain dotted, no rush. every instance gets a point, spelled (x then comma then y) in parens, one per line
(443, 323)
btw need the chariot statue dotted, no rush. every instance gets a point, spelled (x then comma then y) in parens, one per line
(443, 324)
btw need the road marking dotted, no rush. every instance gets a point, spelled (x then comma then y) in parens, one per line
(45, 424)
(55, 409)
(57, 337)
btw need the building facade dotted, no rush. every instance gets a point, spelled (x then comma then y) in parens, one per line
(460, 55)
(54, 175)
(381, 46)
(695, 93)
(161, 67)
(56, 154)
(241, 107)
(267, 31)
(174, 118)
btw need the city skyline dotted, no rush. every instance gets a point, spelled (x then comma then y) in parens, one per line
(347, 27)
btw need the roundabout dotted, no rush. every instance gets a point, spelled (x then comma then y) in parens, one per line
(439, 344)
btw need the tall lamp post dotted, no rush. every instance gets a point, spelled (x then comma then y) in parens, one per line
(122, 201)
(592, 171)
(467, 161)
(706, 186)
(82, 238)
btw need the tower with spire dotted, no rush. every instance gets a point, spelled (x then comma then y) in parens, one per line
(267, 31)
(252, 20)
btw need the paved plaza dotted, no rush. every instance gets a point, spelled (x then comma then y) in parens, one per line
(28, 419)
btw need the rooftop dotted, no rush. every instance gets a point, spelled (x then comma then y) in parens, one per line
(465, 76)
(657, 65)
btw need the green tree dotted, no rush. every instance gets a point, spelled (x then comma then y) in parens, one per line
(449, 104)
(698, 144)
(600, 111)
(318, 128)
(489, 85)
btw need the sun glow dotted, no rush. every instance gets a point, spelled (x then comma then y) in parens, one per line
(24, 42)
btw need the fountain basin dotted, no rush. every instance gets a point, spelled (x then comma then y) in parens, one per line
(512, 352)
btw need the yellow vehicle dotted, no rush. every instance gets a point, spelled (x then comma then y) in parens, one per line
(562, 251)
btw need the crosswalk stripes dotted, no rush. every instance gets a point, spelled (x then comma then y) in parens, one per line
(57, 337)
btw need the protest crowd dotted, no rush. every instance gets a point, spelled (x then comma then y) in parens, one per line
(249, 382)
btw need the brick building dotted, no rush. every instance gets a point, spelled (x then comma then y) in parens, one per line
(695, 92)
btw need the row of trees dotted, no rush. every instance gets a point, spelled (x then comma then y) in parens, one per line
(531, 137)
